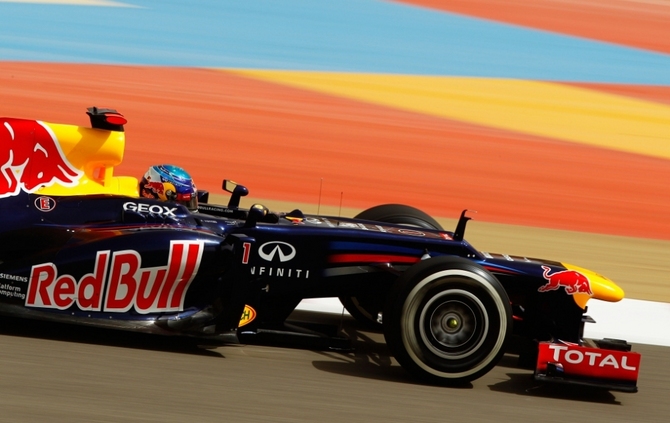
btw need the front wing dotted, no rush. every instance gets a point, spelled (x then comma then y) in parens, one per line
(606, 363)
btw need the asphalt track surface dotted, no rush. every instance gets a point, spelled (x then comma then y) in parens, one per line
(56, 374)
(599, 208)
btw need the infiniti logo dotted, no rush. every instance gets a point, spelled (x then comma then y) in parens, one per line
(269, 250)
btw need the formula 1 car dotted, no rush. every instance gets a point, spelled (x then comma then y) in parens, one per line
(79, 245)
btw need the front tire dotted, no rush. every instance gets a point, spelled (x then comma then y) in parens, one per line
(365, 307)
(447, 320)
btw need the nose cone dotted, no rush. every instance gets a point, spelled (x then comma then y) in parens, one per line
(601, 287)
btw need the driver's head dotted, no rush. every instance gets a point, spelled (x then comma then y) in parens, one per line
(169, 183)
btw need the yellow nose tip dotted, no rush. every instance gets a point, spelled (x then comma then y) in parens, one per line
(601, 287)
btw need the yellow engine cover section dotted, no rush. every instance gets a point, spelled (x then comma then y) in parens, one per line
(95, 153)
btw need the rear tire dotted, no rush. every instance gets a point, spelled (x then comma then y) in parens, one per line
(365, 307)
(400, 214)
(447, 320)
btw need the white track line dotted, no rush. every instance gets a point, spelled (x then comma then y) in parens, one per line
(637, 321)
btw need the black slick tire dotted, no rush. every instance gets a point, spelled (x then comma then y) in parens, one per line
(446, 320)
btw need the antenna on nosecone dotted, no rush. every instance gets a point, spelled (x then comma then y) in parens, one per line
(339, 213)
(318, 206)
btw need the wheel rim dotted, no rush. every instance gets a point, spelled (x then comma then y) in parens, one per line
(423, 354)
(452, 324)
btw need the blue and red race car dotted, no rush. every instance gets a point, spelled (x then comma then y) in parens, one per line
(80, 245)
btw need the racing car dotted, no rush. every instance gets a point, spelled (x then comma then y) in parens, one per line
(79, 245)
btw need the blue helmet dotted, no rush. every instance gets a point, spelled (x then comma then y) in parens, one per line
(169, 183)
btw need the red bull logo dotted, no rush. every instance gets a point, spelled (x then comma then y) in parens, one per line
(160, 190)
(119, 282)
(155, 187)
(31, 158)
(573, 282)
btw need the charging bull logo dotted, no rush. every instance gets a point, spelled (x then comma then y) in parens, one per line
(573, 282)
(31, 158)
(119, 283)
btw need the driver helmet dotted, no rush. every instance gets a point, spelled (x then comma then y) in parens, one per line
(169, 183)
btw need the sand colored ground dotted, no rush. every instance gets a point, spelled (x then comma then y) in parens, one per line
(297, 146)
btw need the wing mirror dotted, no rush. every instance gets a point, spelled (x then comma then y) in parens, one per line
(237, 191)
(257, 213)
